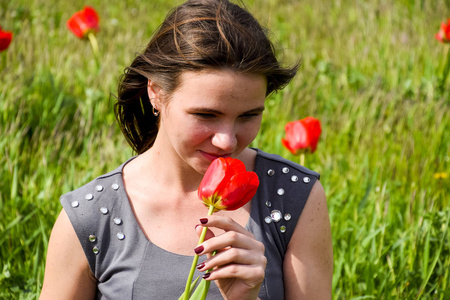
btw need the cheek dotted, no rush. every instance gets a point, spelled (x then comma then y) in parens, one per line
(249, 131)
(195, 134)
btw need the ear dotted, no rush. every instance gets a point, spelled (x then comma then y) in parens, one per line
(154, 94)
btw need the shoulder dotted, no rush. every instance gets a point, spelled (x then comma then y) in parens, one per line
(89, 208)
(284, 190)
(268, 159)
(98, 188)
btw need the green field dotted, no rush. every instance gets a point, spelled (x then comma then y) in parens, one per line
(370, 72)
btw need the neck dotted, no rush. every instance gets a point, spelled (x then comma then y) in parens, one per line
(168, 173)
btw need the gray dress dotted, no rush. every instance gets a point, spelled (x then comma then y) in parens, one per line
(129, 266)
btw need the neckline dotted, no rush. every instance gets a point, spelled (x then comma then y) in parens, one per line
(128, 204)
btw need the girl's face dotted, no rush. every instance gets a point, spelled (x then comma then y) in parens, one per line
(214, 113)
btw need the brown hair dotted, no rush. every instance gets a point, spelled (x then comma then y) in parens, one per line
(197, 35)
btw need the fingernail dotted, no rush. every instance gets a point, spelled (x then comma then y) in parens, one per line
(204, 220)
(200, 266)
(199, 249)
(206, 275)
(197, 226)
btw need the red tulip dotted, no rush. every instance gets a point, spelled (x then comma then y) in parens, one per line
(5, 39)
(302, 134)
(443, 35)
(226, 184)
(83, 22)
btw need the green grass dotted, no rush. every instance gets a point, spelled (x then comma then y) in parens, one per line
(370, 73)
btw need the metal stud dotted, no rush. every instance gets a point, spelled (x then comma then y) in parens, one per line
(280, 192)
(95, 250)
(120, 236)
(92, 238)
(115, 186)
(306, 179)
(294, 178)
(270, 172)
(75, 204)
(103, 210)
(117, 221)
(268, 219)
(287, 217)
(285, 170)
(89, 196)
(283, 229)
(99, 188)
(275, 215)
(268, 203)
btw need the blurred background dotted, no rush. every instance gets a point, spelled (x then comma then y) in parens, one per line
(371, 73)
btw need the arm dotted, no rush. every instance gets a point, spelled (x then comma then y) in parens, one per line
(67, 272)
(308, 264)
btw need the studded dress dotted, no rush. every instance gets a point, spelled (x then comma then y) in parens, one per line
(129, 266)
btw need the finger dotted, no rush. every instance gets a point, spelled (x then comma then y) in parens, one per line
(209, 233)
(234, 256)
(251, 274)
(230, 239)
(224, 223)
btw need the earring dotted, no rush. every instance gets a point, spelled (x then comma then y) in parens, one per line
(155, 111)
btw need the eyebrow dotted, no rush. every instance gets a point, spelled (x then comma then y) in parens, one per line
(213, 111)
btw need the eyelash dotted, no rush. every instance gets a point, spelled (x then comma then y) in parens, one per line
(249, 116)
(204, 116)
(207, 116)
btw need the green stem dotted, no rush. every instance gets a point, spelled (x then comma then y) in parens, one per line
(446, 70)
(94, 43)
(302, 159)
(195, 260)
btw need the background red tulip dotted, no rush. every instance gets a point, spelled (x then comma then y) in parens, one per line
(302, 135)
(5, 39)
(83, 22)
(444, 34)
(226, 184)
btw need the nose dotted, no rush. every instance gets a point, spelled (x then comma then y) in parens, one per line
(225, 140)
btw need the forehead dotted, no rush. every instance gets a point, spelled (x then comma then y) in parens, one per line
(221, 83)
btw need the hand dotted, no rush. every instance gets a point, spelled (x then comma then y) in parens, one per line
(239, 265)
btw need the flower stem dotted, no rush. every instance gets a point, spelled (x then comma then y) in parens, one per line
(302, 159)
(195, 260)
(446, 70)
(94, 43)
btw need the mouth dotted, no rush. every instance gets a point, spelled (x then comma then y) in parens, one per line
(213, 156)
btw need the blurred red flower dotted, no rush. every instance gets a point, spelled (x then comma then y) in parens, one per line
(302, 135)
(5, 39)
(83, 22)
(226, 184)
(443, 35)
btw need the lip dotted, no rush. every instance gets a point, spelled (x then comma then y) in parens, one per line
(213, 156)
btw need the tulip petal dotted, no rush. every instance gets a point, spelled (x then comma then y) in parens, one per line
(240, 189)
(213, 177)
(286, 144)
(91, 17)
(5, 39)
(84, 21)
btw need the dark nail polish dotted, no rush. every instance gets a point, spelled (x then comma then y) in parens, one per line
(200, 266)
(206, 275)
(199, 249)
(204, 221)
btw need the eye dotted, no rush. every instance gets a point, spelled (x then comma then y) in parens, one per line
(205, 116)
(249, 116)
